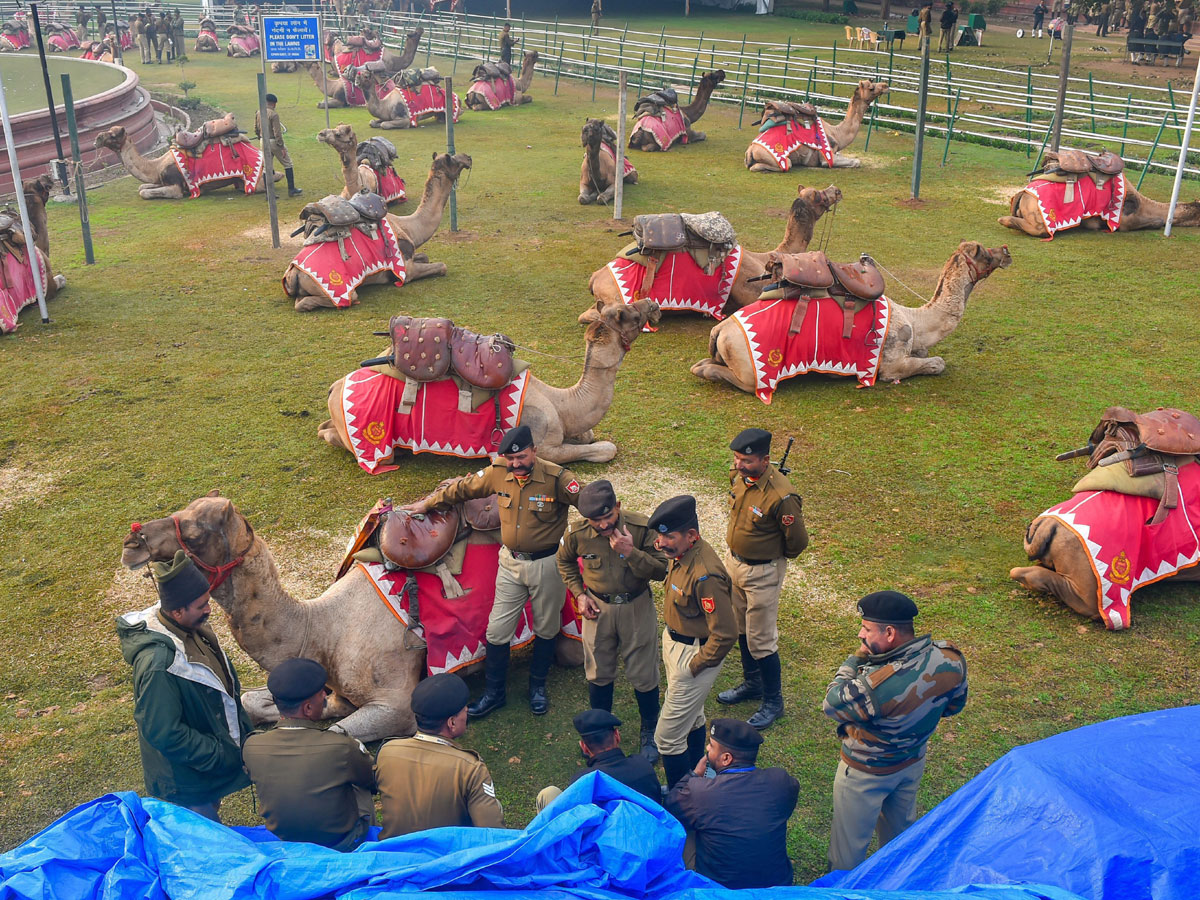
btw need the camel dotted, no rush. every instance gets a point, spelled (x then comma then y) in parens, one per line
(160, 177)
(357, 176)
(37, 194)
(389, 111)
(642, 139)
(1137, 212)
(840, 136)
(910, 335)
(809, 205)
(561, 419)
(398, 62)
(520, 86)
(329, 85)
(597, 175)
(411, 231)
(208, 42)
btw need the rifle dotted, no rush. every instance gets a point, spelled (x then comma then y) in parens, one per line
(782, 464)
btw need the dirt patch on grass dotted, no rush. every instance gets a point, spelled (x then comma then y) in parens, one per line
(458, 237)
(1001, 194)
(261, 235)
(20, 484)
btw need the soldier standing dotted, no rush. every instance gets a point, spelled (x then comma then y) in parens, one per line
(596, 11)
(162, 37)
(766, 529)
(918, 682)
(532, 496)
(139, 34)
(506, 44)
(278, 150)
(619, 560)
(700, 629)
(177, 36)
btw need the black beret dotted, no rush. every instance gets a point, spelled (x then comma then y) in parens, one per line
(179, 582)
(735, 735)
(592, 722)
(887, 608)
(516, 439)
(676, 514)
(295, 680)
(271, 98)
(440, 696)
(752, 440)
(597, 499)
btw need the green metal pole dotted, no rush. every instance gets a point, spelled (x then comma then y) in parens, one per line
(80, 188)
(1125, 126)
(833, 67)
(712, 55)
(1028, 110)
(950, 128)
(742, 108)
(1174, 111)
(1042, 149)
(1157, 138)
(758, 71)
(787, 61)
(891, 52)
(870, 128)
(595, 72)
(1092, 100)
(642, 75)
(454, 68)
(562, 48)
(695, 62)
(489, 48)
(556, 29)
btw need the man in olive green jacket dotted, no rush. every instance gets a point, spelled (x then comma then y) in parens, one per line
(186, 694)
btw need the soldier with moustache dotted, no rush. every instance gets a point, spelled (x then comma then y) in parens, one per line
(700, 630)
(608, 561)
(766, 529)
(532, 496)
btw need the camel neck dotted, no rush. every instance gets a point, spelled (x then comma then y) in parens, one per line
(421, 225)
(582, 406)
(262, 615)
(139, 167)
(941, 315)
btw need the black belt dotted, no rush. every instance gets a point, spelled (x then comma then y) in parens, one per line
(750, 562)
(684, 639)
(617, 599)
(535, 555)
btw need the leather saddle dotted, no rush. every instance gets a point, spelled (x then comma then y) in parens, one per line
(1077, 162)
(370, 207)
(1147, 443)
(491, 71)
(213, 128)
(417, 541)
(378, 153)
(801, 276)
(421, 347)
(779, 110)
(654, 104)
(414, 78)
(208, 25)
(708, 237)
(332, 218)
(485, 361)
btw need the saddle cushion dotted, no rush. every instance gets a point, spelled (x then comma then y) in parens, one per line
(414, 542)
(661, 231)
(428, 100)
(188, 140)
(861, 279)
(1126, 553)
(337, 278)
(220, 162)
(679, 283)
(369, 206)
(785, 109)
(482, 513)
(781, 141)
(1108, 163)
(376, 152)
(333, 209)
(485, 361)
(421, 346)
(666, 130)
(810, 269)
(1087, 200)
(496, 92)
(1165, 430)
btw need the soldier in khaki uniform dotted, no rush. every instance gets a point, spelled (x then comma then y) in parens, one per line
(427, 780)
(532, 496)
(278, 150)
(140, 36)
(619, 560)
(766, 529)
(313, 785)
(700, 629)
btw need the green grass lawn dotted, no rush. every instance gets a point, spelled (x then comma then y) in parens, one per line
(23, 87)
(175, 365)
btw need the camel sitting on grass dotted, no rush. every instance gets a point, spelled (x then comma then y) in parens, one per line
(780, 150)
(660, 126)
(598, 174)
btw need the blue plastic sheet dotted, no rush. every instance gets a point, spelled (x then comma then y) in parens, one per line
(1109, 811)
(598, 841)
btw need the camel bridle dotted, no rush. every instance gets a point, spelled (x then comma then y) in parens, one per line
(217, 574)
(979, 272)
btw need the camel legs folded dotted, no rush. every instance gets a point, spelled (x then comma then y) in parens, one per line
(161, 192)
(417, 270)
(391, 123)
(1047, 581)
(310, 302)
(597, 451)
(328, 433)
(1034, 229)
(908, 366)
(759, 160)
(845, 162)
(711, 370)
(1026, 216)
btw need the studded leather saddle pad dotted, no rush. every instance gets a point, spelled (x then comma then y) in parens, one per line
(426, 349)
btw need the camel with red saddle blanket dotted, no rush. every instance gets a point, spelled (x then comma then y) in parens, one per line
(98, 50)
(493, 86)
(374, 644)
(794, 134)
(1134, 519)
(598, 174)
(661, 123)
(197, 162)
(243, 41)
(17, 287)
(207, 40)
(347, 248)
(61, 37)
(367, 166)
(14, 35)
(381, 408)
(834, 318)
(710, 273)
(1089, 191)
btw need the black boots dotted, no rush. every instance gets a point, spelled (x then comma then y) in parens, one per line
(495, 670)
(772, 687)
(539, 668)
(600, 696)
(675, 766)
(751, 687)
(647, 702)
(696, 739)
(293, 191)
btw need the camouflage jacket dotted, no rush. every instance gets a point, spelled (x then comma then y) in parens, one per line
(888, 704)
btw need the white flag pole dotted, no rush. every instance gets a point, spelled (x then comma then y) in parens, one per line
(31, 250)
(1183, 152)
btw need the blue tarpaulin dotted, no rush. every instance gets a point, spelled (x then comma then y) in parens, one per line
(1109, 811)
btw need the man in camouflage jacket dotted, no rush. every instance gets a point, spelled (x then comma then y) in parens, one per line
(887, 700)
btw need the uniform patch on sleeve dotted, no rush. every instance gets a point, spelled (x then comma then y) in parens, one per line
(788, 519)
(572, 486)
(708, 604)
(489, 789)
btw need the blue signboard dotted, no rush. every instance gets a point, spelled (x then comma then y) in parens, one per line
(291, 38)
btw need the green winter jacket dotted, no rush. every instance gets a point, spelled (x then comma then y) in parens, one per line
(189, 729)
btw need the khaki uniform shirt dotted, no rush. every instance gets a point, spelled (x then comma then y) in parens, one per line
(533, 516)
(276, 127)
(200, 645)
(605, 571)
(765, 517)
(306, 779)
(427, 781)
(696, 603)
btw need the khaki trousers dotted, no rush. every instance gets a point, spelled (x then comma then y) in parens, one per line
(864, 804)
(683, 707)
(755, 598)
(628, 629)
(143, 43)
(279, 151)
(946, 39)
(520, 580)
(546, 796)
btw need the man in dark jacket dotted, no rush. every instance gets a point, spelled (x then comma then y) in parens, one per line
(185, 694)
(738, 819)
(600, 742)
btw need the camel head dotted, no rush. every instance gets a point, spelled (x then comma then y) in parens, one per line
(113, 139)
(980, 261)
(618, 322)
(593, 133)
(360, 75)
(415, 34)
(868, 90)
(810, 200)
(529, 59)
(449, 166)
(341, 138)
(211, 527)
(712, 79)
(37, 190)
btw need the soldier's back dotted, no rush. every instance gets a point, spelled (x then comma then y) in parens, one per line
(428, 782)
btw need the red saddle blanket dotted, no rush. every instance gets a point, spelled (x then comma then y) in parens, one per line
(88, 54)
(64, 40)
(17, 289)
(338, 277)
(15, 41)
(497, 93)
(356, 57)
(818, 347)
(1126, 554)
(218, 162)
(429, 100)
(454, 630)
(370, 404)
(627, 168)
(665, 130)
(679, 283)
(247, 43)
(126, 40)
(783, 140)
(356, 96)
(1088, 201)
(391, 185)
(211, 34)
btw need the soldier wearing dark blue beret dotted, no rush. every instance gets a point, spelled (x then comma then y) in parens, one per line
(600, 741)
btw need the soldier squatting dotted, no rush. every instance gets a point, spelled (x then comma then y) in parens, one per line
(319, 785)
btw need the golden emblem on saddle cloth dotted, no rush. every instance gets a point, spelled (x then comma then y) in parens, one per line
(1119, 571)
(375, 432)
(775, 357)
(779, 146)
(248, 171)
(335, 277)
